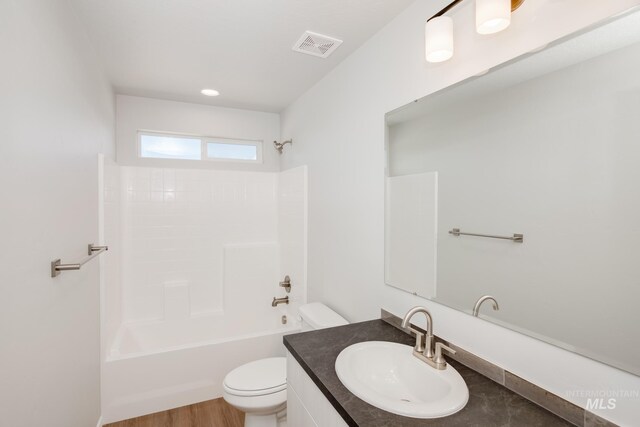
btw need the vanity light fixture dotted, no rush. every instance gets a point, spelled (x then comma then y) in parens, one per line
(492, 16)
(438, 36)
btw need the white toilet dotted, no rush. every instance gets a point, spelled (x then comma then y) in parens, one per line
(259, 388)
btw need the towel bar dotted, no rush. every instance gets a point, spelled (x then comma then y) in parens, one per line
(518, 238)
(93, 251)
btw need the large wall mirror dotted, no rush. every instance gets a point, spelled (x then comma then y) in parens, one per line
(542, 157)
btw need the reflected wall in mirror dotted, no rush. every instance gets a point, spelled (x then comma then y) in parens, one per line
(411, 227)
(547, 146)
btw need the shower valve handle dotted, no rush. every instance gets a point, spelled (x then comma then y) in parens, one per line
(286, 284)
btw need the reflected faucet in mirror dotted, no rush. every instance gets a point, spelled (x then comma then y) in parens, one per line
(476, 308)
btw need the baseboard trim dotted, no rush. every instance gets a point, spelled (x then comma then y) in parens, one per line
(99, 422)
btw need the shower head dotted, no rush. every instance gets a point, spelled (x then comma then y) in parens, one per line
(280, 145)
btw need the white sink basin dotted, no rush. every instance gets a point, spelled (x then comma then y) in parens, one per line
(388, 376)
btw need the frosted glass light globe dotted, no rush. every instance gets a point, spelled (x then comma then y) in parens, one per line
(492, 16)
(438, 36)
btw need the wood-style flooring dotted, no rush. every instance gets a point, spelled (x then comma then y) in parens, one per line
(212, 413)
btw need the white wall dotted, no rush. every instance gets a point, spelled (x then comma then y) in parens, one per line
(56, 115)
(345, 156)
(411, 221)
(134, 114)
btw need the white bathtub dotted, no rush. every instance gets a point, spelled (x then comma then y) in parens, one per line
(154, 366)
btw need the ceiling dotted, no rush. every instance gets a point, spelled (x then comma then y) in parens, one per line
(171, 49)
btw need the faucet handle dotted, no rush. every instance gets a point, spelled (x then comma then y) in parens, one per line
(420, 339)
(286, 284)
(439, 358)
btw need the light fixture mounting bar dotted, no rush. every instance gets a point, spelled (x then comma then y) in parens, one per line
(515, 4)
(446, 9)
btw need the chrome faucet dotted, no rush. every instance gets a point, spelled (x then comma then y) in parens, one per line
(476, 308)
(424, 343)
(424, 348)
(277, 301)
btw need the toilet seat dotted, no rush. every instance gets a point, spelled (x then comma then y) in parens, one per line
(259, 388)
(258, 378)
(250, 393)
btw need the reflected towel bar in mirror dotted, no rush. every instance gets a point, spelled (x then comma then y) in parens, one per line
(518, 238)
(92, 250)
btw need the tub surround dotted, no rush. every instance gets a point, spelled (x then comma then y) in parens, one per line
(177, 317)
(136, 386)
(491, 402)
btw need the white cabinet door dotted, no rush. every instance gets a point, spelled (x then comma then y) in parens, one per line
(297, 415)
(305, 402)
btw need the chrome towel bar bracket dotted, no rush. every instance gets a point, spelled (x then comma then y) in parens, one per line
(92, 251)
(518, 238)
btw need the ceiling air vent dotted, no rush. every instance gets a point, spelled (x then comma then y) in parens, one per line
(316, 44)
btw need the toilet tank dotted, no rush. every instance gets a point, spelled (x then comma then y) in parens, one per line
(318, 316)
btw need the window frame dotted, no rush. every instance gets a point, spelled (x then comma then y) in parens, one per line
(232, 141)
(204, 141)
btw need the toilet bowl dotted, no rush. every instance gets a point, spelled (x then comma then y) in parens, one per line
(259, 388)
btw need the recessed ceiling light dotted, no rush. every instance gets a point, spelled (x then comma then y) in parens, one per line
(210, 92)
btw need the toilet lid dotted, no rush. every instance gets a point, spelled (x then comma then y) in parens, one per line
(262, 376)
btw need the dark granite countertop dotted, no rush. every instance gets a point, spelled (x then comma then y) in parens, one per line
(490, 404)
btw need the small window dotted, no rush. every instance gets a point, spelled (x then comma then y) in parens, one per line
(158, 146)
(239, 150)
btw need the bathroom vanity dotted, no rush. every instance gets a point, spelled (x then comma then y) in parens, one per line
(316, 397)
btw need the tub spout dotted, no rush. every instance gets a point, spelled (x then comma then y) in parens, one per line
(277, 301)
